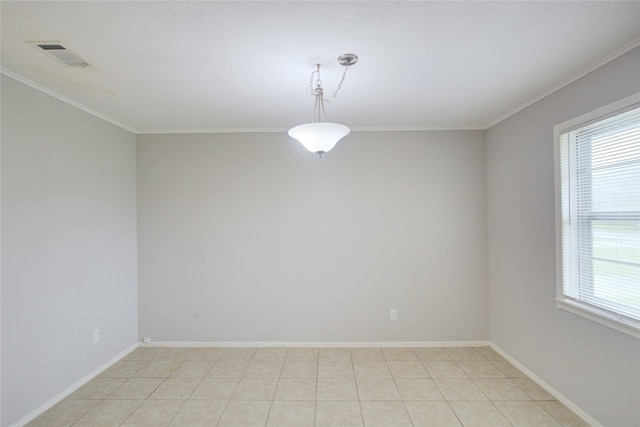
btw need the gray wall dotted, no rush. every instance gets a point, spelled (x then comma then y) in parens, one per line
(68, 246)
(248, 237)
(595, 367)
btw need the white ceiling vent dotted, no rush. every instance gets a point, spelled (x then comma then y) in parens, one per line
(60, 53)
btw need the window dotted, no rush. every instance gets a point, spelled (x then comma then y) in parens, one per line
(598, 215)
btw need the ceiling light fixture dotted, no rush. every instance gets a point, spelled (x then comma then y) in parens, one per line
(320, 136)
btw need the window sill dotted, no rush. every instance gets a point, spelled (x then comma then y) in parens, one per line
(619, 324)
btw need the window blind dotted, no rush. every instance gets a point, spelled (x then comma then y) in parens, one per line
(600, 196)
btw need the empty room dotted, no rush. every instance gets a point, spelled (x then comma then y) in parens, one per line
(320, 213)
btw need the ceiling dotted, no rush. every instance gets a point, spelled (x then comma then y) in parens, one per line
(224, 66)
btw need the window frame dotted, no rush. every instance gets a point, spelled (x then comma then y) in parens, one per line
(564, 302)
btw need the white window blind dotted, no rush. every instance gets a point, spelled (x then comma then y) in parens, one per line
(600, 217)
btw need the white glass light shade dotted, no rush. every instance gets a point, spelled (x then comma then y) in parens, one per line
(319, 137)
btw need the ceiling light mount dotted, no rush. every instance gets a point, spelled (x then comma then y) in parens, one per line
(347, 59)
(320, 136)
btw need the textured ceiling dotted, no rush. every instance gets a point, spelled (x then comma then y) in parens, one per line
(244, 66)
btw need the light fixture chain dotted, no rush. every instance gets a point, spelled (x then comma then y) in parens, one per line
(315, 78)
(318, 83)
(344, 75)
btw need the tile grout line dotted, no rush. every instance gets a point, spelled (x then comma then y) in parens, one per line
(274, 392)
(226, 406)
(404, 404)
(355, 380)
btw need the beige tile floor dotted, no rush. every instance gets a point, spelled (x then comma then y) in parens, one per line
(242, 387)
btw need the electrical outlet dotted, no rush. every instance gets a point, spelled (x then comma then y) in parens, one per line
(96, 336)
(146, 340)
(393, 314)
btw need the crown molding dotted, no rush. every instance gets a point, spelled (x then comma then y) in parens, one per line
(624, 49)
(64, 99)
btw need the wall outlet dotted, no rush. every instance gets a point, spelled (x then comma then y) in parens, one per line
(96, 336)
(146, 340)
(393, 314)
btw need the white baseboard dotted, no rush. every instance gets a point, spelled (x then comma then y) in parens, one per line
(579, 412)
(73, 387)
(340, 344)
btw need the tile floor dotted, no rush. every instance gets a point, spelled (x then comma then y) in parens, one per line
(242, 387)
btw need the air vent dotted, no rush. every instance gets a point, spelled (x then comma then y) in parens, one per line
(61, 53)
